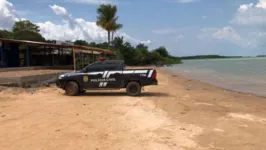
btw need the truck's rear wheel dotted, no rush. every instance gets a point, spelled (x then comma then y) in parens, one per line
(82, 91)
(72, 88)
(133, 89)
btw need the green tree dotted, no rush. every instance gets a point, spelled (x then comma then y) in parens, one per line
(129, 54)
(142, 53)
(118, 42)
(5, 34)
(81, 42)
(93, 44)
(107, 19)
(25, 25)
(103, 45)
(25, 30)
(51, 41)
(115, 27)
(28, 35)
(163, 52)
(154, 57)
(117, 46)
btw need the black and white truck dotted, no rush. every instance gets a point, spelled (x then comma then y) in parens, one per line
(106, 74)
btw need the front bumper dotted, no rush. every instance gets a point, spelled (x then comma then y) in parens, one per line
(60, 83)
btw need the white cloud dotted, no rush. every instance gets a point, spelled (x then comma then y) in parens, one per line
(205, 33)
(58, 10)
(63, 32)
(231, 35)
(250, 14)
(204, 17)
(261, 4)
(227, 33)
(262, 34)
(245, 7)
(70, 29)
(179, 38)
(133, 40)
(253, 16)
(78, 28)
(7, 14)
(166, 31)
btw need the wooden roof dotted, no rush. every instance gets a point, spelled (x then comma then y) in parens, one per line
(78, 47)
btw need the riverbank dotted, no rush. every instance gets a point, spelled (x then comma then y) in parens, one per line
(179, 113)
(242, 74)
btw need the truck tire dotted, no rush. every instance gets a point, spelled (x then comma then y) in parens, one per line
(133, 89)
(71, 88)
(82, 91)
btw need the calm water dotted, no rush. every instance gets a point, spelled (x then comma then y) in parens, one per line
(243, 75)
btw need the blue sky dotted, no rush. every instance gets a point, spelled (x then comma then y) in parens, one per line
(184, 27)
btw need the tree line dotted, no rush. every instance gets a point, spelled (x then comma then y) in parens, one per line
(135, 55)
(208, 57)
(23, 30)
(107, 19)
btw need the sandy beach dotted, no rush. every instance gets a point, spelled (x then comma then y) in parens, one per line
(178, 114)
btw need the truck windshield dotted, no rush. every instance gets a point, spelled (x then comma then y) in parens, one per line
(98, 65)
(89, 65)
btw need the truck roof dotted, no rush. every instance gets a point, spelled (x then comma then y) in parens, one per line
(113, 61)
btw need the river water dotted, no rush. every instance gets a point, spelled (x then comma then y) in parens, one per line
(241, 74)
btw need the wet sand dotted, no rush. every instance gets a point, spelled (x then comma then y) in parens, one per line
(177, 114)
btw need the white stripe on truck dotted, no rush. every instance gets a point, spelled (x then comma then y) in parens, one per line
(101, 84)
(128, 72)
(140, 71)
(150, 74)
(105, 73)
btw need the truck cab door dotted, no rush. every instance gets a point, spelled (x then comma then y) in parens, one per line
(92, 75)
(113, 76)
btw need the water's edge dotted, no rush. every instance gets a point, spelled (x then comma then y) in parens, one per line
(171, 72)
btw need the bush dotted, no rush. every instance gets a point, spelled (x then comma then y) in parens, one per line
(139, 55)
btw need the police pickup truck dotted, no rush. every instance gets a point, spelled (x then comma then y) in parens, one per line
(107, 74)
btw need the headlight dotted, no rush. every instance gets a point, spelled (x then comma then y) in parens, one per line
(61, 76)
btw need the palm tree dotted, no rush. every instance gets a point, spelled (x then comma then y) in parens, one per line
(107, 18)
(115, 27)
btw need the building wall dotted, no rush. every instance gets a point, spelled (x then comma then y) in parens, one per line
(1, 55)
(9, 55)
(21, 55)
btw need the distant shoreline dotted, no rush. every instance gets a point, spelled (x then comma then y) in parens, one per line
(218, 57)
(231, 58)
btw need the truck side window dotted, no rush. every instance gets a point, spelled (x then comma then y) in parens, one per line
(95, 68)
(110, 67)
(121, 66)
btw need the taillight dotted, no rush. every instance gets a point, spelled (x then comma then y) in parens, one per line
(154, 75)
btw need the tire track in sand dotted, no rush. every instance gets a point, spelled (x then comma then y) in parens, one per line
(146, 126)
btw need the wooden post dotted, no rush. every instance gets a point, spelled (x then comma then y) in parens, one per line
(82, 59)
(74, 58)
(27, 55)
(92, 57)
(59, 55)
(50, 56)
(2, 54)
(53, 60)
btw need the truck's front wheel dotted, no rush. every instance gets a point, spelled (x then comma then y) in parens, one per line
(133, 89)
(72, 88)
